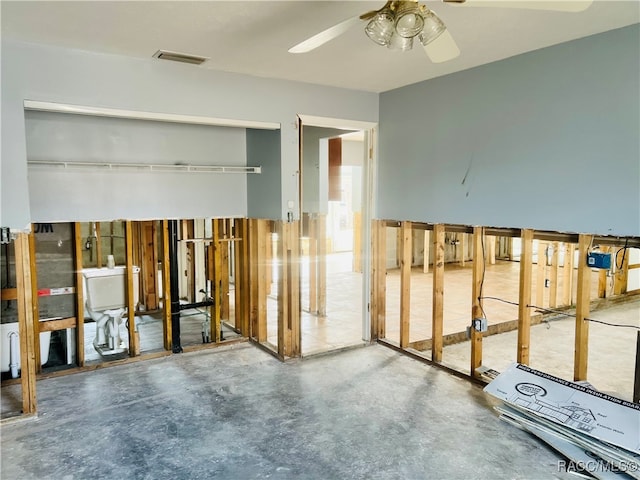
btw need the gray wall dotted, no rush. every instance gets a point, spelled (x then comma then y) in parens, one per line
(263, 150)
(545, 140)
(87, 195)
(53, 74)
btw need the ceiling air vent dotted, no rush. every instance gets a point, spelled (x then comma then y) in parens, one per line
(179, 57)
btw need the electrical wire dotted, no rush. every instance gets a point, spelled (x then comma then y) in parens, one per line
(484, 269)
(560, 312)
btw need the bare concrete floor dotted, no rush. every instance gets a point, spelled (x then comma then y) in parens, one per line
(237, 413)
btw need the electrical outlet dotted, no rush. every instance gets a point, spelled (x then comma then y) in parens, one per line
(480, 324)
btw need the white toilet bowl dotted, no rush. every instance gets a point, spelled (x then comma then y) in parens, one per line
(105, 294)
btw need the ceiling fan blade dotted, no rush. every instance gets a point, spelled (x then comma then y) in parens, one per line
(442, 49)
(554, 5)
(324, 36)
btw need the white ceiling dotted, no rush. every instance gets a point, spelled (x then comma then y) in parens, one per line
(253, 37)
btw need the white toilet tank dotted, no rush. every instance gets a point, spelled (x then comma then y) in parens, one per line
(105, 288)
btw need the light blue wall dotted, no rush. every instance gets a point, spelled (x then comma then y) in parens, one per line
(546, 140)
(53, 74)
(263, 190)
(57, 195)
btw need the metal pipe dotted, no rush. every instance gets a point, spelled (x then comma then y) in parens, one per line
(174, 286)
(14, 352)
(205, 303)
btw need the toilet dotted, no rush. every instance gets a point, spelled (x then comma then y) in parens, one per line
(106, 303)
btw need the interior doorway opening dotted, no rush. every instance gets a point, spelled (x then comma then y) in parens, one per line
(335, 201)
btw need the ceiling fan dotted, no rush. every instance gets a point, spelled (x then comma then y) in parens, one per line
(399, 23)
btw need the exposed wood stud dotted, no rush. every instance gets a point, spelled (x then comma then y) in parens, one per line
(131, 307)
(491, 249)
(621, 263)
(476, 301)
(149, 264)
(524, 312)
(25, 324)
(284, 337)
(245, 293)
(224, 264)
(581, 351)
(541, 270)
(216, 280)
(34, 299)
(98, 246)
(602, 276)
(553, 290)
(405, 283)
(253, 277)
(567, 273)
(264, 244)
(426, 253)
(57, 325)
(462, 248)
(240, 277)
(437, 317)
(294, 289)
(378, 279)
(79, 286)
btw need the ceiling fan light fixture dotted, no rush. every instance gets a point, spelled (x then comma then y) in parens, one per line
(400, 43)
(409, 20)
(433, 27)
(380, 28)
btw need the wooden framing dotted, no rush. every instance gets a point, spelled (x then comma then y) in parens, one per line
(241, 278)
(426, 251)
(437, 317)
(34, 300)
(25, 324)
(149, 264)
(581, 351)
(134, 344)
(224, 266)
(567, 274)
(524, 312)
(56, 325)
(462, 247)
(541, 270)
(405, 283)
(620, 277)
(215, 276)
(491, 249)
(288, 290)
(98, 246)
(476, 300)
(79, 285)
(253, 277)
(377, 304)
(553, 291)
(166, 288)
(263, 234)
(602, 277)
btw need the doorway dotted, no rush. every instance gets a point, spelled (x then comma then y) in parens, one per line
(336, 191)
